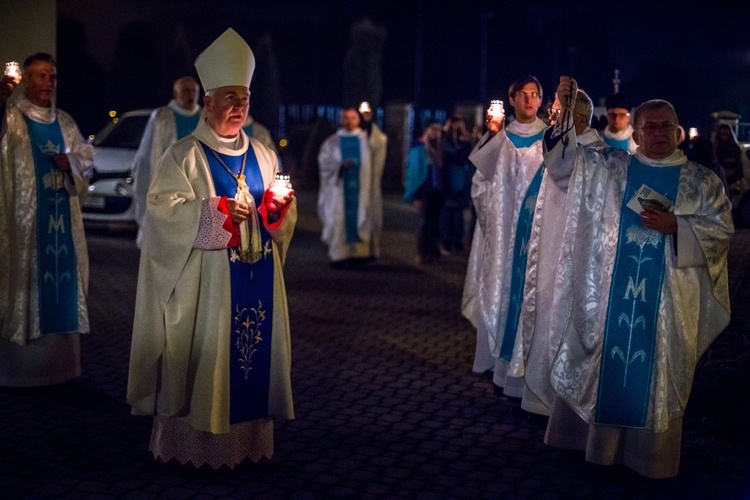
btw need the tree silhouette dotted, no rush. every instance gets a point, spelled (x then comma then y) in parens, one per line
(266, 87)
(363, 65)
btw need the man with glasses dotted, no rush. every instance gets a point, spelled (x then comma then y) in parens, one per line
(641, 291)
(504, 190)
(618, 133)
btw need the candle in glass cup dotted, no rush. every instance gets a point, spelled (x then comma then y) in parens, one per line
(13, 70)
(496, 109)
(282, 185)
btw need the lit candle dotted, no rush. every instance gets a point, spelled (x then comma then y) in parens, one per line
(693, 133)
(282, 185)
(13, 70)
(496, 109)
(364, 107)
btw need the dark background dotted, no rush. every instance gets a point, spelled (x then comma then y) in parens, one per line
(124, 55)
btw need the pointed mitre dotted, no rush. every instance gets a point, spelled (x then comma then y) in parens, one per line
(227, 61)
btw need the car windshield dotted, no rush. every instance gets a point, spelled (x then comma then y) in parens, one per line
(124, 134)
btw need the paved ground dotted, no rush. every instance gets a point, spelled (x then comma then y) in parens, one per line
(387, 406)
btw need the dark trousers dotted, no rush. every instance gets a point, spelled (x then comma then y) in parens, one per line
(429, 233)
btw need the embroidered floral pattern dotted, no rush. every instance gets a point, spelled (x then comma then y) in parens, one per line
(247, 324)
(641, 236)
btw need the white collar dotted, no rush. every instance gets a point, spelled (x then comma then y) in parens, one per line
(676, 158)
(625, 133)
(526, 129)
(36, 113)
(204, 133)
(179, 109)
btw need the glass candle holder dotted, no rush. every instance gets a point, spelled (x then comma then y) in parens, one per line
(13, 70)
(282, 185)
(496, 109)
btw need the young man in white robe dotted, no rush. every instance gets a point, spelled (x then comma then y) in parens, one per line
(507, 161)
(44, 169)
(166, 125)
(210, 355)
(641, 292)
(345, 195)
(619, 133)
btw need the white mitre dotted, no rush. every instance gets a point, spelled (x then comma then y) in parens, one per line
(226, 62)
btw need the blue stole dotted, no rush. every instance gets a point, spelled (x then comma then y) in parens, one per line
(349, 145)
(617, 143)
(185, 124)
(518, 269)
(630, 330)
(252, 301)
(56, 254)
(248, 129)
(520, 141)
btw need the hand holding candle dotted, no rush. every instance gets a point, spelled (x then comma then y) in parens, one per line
(495, 117)
(12, 70)
(281, 193)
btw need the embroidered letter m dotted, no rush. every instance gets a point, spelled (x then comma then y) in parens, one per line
(636, 291)
(56, 224)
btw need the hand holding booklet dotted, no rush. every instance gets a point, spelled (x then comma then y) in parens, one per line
(645, 196)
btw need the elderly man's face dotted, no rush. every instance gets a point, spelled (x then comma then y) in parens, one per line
(526, 103)
(618, 119)
(40, 81)
(226, 109)
(185, 92)
(656, 134)
(349, 119)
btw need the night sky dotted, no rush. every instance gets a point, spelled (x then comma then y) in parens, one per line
(695, 55)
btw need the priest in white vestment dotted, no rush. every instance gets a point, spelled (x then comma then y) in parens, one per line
(378, 143)
(641, 292)
(166, 125)
(535, 348)
(345, 195)
(507, 161)
(44, 272)
(210, 356)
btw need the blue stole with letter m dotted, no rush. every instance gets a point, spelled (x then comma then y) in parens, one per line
(518, 269)
(630, 330)
(349, 145)
(252, 300)
(56, 254)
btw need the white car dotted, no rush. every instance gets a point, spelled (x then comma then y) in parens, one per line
(110, 196)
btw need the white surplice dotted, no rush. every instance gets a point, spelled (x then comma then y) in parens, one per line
(535, 349)
(499, 186)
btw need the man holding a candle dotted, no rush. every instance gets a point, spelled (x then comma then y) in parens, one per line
(210, 356)
(44, 167)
